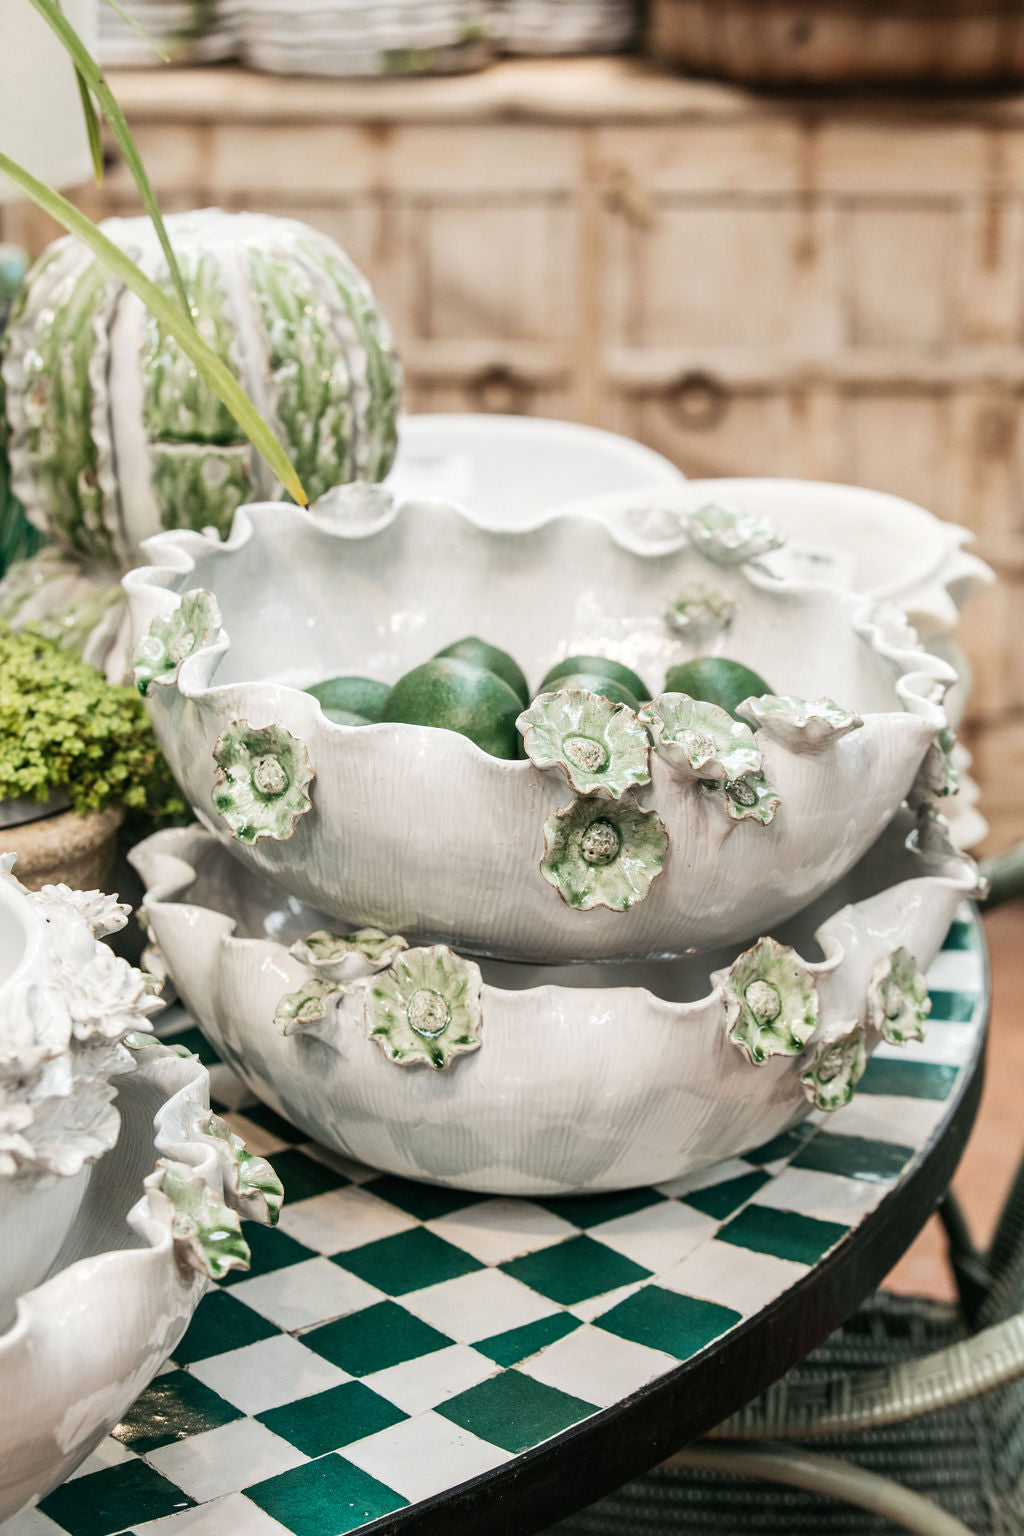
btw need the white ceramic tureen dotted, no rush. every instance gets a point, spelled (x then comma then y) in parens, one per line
(160, 1218)
(619, 834)
(67, 1002)
(514, 1079)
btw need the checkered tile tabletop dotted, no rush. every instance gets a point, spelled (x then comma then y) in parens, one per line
(393, 1340)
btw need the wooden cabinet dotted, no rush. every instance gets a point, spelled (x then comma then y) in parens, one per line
(803, 286)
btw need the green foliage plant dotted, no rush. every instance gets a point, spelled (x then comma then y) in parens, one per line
(64, 727)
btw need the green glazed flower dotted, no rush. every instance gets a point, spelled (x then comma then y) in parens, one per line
(802, 725)
(161, 651)
(729, 537)
(426, 1007)
(699, 740)
(699, 611)
(748, 798)
(348, 957)
(937, 776)
(771, 1001)
(600, 854)
(836, 1068)
(250, 1184)
(898, 1001)
(260, 787)
(600, 747)
(207, 1235)
(298, 1010)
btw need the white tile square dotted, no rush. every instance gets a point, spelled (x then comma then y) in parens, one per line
(908, 1121)
(257, 1140)
(228, 1090)
(956, 970)
(827, 1196)
(593, 1306)
(498, 1230)
(416, 1385)
(475, 1306)
(947, 1044)
(703, 1178)
(232, 1515)
(734, 1277)
(109, 1453)
(658, 1236)
(597, 1366)
(267, 1374)
(315, 1291)
(32, 1522)
(226, 1459)
(425, 1455)
(343, 1219)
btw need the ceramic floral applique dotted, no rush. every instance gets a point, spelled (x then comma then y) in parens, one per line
(699, 611)
(600, 747)
(207, 1235)
(836, 1068)
(603, 854)
(170, 639)
(700, 740)
(748, 798)
(426, 1007)
(771, 1001)
(801, 725)
(261, 781)
(730, 537)
(348, 957)
(898, 1000)
(251, 1187)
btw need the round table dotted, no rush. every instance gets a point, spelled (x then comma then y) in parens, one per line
(413, 1360)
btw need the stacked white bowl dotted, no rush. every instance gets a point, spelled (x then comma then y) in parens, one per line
(351, 37)
(187, 31)
(657, 937)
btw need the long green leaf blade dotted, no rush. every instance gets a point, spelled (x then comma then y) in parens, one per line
(130, 21)
(92, 127)
(91, 73)
(208, 365)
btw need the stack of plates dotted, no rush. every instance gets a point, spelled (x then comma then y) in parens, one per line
(566, 26)
(352, 37)
(188, 31)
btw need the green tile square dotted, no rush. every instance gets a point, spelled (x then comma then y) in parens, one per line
(174, 1406)
(195, 1041)
(303, 1177)
(324, 1498)
(677, 1325)
(574, 1270)
(782, 1146)
(960, 935)
(424, 1201)
(373, 1339)
(328, 1420)
(784, 1234)
(720, 1200)
(588, 1210)
(269, 1249)
(271, 1122)
(950, 1007)
(407, 1262)
(908, 1079)
(517, 1344)
(514, 1411)
(101, 1502)
(855, 1157)
(221, 1323)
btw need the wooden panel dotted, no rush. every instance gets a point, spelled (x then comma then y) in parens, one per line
(903, 272)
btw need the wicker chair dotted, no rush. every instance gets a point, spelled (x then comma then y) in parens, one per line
(923, 1401)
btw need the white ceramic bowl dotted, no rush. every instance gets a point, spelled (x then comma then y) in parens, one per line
(512, 470)
(160, 1217)
(584, 1078)
(66, 1003)
(419, 831)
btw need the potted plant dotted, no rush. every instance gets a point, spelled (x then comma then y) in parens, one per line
(77, 755)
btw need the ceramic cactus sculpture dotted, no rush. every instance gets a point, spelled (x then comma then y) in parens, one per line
(112, 435)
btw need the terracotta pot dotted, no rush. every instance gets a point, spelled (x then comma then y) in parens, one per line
(78, 850)
(844, 42)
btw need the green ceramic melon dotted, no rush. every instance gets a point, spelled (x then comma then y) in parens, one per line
(112, 435)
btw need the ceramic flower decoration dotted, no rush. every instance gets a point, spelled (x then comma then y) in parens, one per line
(599, 747)
(426, 1007)
(937, 776)
(729, 537)
(36, 1029)
(348, 957)
(802, 725)
(771, 1001)
(898, 1001)
(56, 1131)
(251, 1187)
(104, 914)
(699, 610)
(598, 854)
(207, 1235)
(161, 651)
(700, 740)
(748, 798)
(836, 1068)
(308, 1005)
(261, 781)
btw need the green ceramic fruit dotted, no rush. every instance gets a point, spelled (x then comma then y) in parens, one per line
(716, 680)
(473, 649)
(594, 682)
(598, 666)
(455, 695)
(350, 700)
